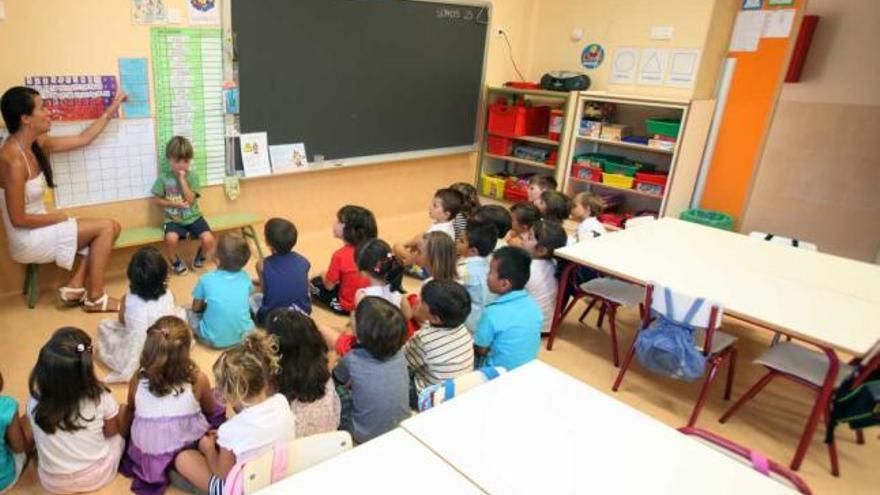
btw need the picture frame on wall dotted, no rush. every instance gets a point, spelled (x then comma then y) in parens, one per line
(753, 4)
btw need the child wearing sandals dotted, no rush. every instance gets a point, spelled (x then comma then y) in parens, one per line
(13, 442)
(244, 377)
(120, 340)
(172, 404)
(76, 422)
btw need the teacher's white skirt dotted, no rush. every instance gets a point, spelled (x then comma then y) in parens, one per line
(54, 243)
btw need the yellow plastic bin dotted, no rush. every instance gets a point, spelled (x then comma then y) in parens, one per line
(493, 186)
(617, 180)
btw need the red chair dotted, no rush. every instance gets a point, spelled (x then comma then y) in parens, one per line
(808, 368)
(716, 345)
(763, 465)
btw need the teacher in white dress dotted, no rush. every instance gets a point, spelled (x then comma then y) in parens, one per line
(34, 234)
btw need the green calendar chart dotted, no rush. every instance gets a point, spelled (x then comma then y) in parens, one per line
(187, 79)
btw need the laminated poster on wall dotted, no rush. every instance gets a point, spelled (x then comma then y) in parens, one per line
(748, 30)
(778, 23)
(592, 56)
(69, 98)
(683, 65)
(288, 157)
(134, 81)
(624, 65)
(148, 12)
(652, 66)
(255, 154)
(203, 12)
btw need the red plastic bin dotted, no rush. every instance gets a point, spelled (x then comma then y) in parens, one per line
(518, 120)
(650, 178)
(516, 190)
(498, 145)
(586, 172)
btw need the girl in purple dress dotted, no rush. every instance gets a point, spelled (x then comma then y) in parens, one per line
(172, 404)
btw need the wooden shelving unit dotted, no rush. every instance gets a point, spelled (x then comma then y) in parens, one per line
(631, 111)
(490, 163)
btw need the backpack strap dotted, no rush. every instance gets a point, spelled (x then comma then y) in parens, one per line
(490, 372)
(698, 303)
(669, 309)
(760, 462)
(279, 461)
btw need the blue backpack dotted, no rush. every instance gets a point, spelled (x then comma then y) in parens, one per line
(667, 346)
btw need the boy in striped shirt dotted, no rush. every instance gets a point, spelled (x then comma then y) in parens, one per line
(443, 348)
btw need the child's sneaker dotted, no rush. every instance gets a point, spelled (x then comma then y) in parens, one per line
(178, 266)
(199, 260)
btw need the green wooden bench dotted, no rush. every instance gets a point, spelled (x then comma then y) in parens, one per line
(139, 236)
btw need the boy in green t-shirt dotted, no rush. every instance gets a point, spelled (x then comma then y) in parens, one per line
(177, 191)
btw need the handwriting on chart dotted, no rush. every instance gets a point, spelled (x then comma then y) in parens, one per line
(455, 14)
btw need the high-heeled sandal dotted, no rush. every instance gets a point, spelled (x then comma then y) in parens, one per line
(72, 296)
(99, 305)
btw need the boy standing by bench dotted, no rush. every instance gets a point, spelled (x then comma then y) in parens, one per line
(177, 191)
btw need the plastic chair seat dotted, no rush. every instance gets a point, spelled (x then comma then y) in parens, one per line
(720, 340)
(616, 291)
(801, 362)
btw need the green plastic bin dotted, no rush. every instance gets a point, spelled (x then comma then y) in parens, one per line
(664, 127)
(709, 218)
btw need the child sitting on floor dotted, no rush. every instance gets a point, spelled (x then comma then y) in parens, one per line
(76, 422)
(372, 378)
(554, 206)
(474, 249)
(469, 205)
(443, 348)
(522, 216)
(305, 378)
(498, 216)
(284, 275)
(120, 341)
(244, 377)
(538, 184)
(442, 210)
(172, 404)
(336, 287)
(176, 190)
(220, 312)
(14, 443)
(542, 239)
(587, 206)
(509, 332)
(436, 254)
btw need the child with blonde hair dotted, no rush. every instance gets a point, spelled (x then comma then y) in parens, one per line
(148, 298)
(587, 206)
(244, 377)
(436, 254)
(172, 404)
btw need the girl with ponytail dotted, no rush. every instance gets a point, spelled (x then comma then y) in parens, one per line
(34, 234)
(76, 422)
(171, 402)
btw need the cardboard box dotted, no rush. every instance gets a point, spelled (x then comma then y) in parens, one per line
(615, 131)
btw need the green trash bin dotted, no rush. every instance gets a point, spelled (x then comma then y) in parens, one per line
(709, 218)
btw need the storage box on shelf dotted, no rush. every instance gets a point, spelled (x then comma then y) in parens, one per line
(526, 133)
(629, 148)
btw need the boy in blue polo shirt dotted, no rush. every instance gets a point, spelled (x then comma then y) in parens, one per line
(509, 332)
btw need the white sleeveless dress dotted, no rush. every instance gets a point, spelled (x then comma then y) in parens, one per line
(54, 243)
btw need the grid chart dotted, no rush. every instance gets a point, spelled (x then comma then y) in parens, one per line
(119, 165)
(188, 79)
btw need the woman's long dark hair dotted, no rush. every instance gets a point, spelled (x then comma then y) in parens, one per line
(16, 102)
(62, 378)
(303, 352)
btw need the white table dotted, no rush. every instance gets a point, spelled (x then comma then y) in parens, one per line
(831, 302)
(394, 463)
(537, 430)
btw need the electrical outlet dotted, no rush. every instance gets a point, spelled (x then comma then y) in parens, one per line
(499, 31)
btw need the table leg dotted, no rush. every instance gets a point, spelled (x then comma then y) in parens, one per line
(560, 301)
(819, 408)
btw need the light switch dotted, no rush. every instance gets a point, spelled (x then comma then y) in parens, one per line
(661, 33)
